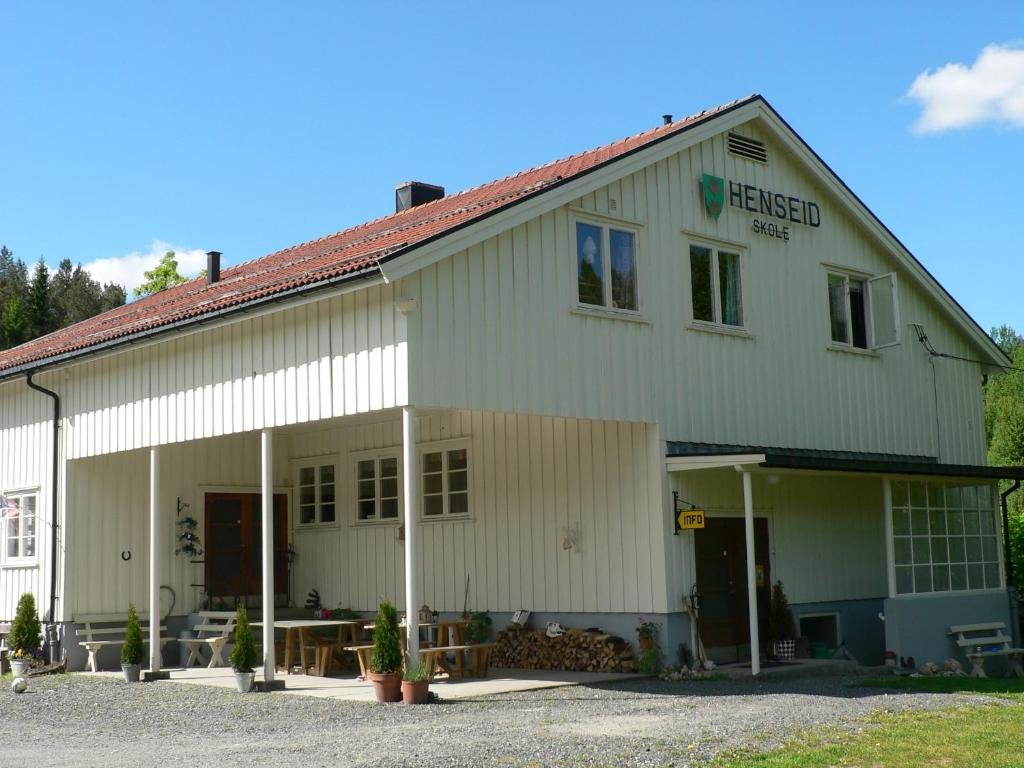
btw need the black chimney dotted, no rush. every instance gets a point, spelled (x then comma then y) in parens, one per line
(409, 194)
(212, 267)
(666, 119)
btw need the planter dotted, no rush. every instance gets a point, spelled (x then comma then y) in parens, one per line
(131, 672)
(784, 649)
(245, 681)
(388, 686)
(646, 642)
(20, 667)
(417, 692)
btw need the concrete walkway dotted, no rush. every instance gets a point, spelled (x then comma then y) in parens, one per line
(354, 689)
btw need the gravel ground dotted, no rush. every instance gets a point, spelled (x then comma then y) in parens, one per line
(79, 721)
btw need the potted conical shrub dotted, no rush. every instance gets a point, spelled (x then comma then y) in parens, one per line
(133, 650)
(26, 637)
(415, 684)
(781, 626)
(243, 655)
(386, 661)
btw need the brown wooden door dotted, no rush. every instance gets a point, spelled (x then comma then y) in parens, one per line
(721, 560)
(234, 545)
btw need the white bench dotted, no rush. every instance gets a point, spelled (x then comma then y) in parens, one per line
(98, 633)
(976, 640)
(216, 629)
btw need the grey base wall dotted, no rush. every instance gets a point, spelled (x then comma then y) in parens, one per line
(918, 626)
(859, 626)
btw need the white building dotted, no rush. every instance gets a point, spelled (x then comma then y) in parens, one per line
(702, 314)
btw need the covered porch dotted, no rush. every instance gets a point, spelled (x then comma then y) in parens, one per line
(875, 553)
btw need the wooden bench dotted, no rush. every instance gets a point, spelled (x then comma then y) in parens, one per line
(98, 635)
(216, 629)
(362, 653)
(479, 659)
(977, 641)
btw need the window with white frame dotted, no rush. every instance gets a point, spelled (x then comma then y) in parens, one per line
(377, 487)
(945, 537)
(716, 285)
(606, 266)
(863, 311)
(317, 492)
(445, 478)
(18, 512)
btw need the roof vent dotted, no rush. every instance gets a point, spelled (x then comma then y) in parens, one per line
(752, 149)
(409, 194)
(212, 267)
(666, 119)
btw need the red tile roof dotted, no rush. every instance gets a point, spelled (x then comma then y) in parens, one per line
(331, 258)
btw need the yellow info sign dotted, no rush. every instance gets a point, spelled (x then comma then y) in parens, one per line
(690, 518)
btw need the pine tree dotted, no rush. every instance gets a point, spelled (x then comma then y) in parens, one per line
(387, 648)
(133, 649)
(26, 631)
(15, 324)
(243, 655)
(40, 313)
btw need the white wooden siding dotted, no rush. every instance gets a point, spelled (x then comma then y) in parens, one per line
(532, 479)
(26, 438)
(826, 533)
(318, 360)
(496, 329)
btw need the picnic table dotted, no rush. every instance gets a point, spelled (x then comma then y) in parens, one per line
(349, 631)
(443, 627)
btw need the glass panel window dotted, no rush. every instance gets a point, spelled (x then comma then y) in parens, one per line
(18, 517)
(837, 309)
(946, 539)
(446, 482)
(606, 267)
(317, 493)
(715, 285)
(377, 488)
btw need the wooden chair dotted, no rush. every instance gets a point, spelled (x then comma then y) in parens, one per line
(322, 648)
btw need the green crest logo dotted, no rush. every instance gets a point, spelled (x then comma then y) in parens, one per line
(714, 194)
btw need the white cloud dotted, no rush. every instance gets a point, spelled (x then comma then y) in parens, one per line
(128, 270)
(960, 96)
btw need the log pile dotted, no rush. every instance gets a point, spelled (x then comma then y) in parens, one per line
(577, 650)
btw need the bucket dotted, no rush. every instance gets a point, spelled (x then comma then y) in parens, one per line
(185, 634)
(819, 650)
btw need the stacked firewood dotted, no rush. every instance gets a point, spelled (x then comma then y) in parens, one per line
(577, 650)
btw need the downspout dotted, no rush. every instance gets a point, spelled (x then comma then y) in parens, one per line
(51, 626)
(1008, 565)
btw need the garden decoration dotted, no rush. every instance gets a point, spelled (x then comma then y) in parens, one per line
(781, 626)
(243, 655)
(479, 628)
(386, 661)
(649, 659)
(133, 650)
(26, 637)
(415, 684)
(189, 543)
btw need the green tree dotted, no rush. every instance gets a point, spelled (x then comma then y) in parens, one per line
(26, 631)
(387, 648)
(15, 323)
(112, 295)
(163, 276)
(243, 655)
(40, 311)
(133, 649)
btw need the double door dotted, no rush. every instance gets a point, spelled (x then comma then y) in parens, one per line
(234, 545)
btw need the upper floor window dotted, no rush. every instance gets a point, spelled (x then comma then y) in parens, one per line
(18, 512)
(445, 481)
(377, 487)
(716, 285)
(606, 266)
(317, 492)
(863, 311)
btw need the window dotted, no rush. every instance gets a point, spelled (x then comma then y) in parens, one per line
(715, 286)
(445, 482)
(19, 527)
(606, 267)
(317, 493)
(377, 488)
(945, 538)
(862, 311)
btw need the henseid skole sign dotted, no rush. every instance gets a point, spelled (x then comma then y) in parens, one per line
(762, 202)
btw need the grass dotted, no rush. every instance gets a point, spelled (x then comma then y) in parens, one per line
(978, 735)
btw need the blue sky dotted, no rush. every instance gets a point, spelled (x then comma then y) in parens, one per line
(248, 127)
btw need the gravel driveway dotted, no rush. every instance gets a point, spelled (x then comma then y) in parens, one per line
(79, 721)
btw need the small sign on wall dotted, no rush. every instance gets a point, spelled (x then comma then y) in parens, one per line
(689, 519)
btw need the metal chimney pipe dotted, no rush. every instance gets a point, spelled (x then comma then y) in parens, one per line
(666, 119)
(212, 267)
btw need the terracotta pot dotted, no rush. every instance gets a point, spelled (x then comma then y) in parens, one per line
(646, 643)
(388, 686)
(417, 692)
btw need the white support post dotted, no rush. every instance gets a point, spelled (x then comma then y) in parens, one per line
(890, 545)
(411, 494)
(267, 529)
(155, 561)
(748, 519)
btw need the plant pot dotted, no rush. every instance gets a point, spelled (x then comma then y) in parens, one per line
(387, 686)
(784, 649)
(244, 681)
(20, 667)
(415, 692)
(131, 672)
(646, 642)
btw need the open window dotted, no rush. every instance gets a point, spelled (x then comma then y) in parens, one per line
(863, 311)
